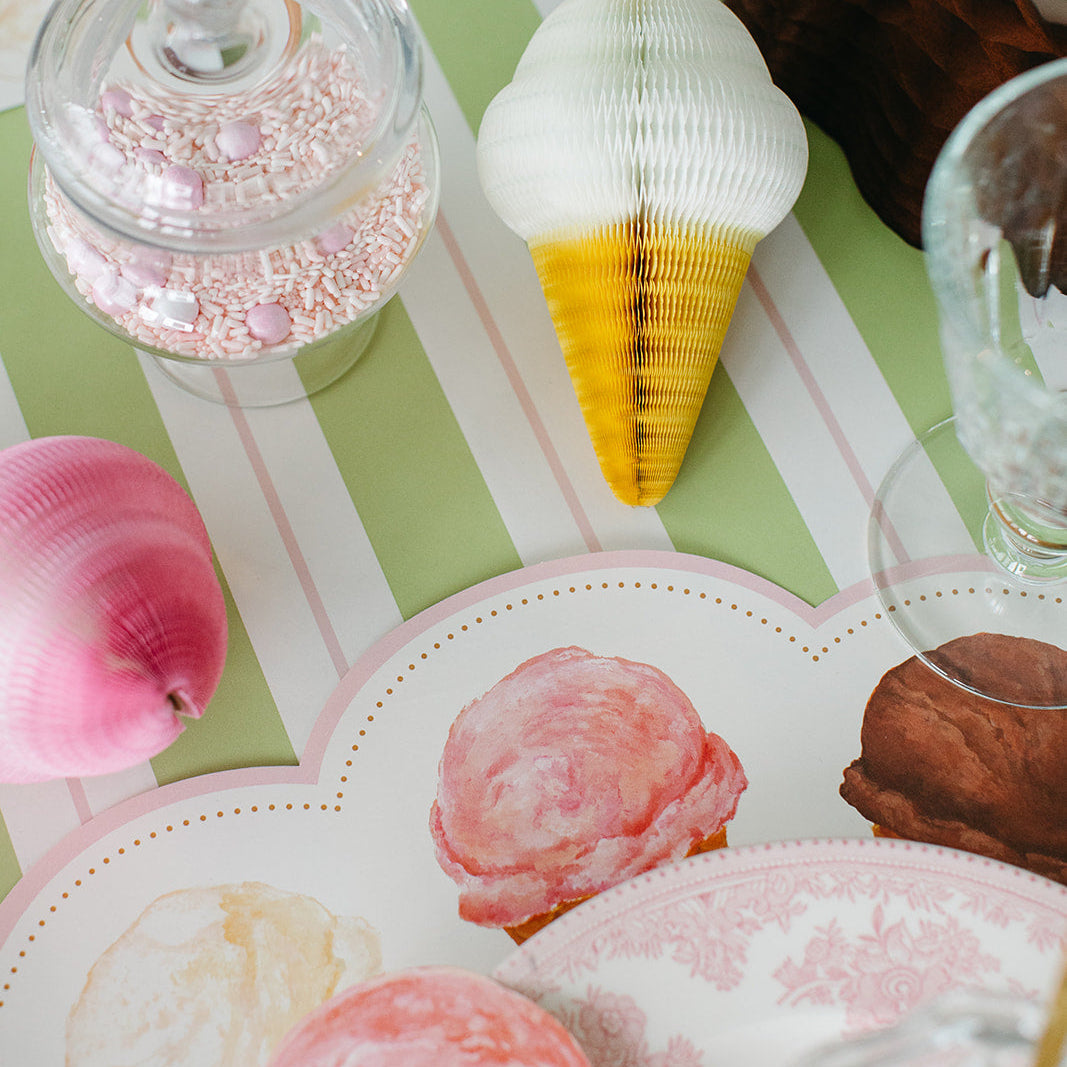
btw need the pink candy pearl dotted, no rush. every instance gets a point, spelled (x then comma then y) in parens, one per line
(269, 323)
(149, 155)
(113, 294)
(182, 187)
(335, 238)
(85, 261)
(155, 121)
(146, 270)
(117, 100)
(238, 140)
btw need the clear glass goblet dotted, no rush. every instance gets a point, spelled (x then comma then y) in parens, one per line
(969, 528)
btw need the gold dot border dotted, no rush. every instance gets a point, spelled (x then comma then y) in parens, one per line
(144, 841)
(816, 652)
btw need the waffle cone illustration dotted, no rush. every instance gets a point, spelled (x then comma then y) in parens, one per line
(641, 150)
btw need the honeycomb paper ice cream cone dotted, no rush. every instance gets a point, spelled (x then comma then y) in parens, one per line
(641, 312)
(641, 150)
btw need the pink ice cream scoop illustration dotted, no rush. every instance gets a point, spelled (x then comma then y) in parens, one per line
(571, 774)
(429, 1016)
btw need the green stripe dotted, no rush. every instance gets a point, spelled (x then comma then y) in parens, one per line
(711, 510)
(500, 30)
(241, 726)
(882, 282)
(1009, 324)
(428, 513)
(72, 377)
(430, 516)
(10, 871)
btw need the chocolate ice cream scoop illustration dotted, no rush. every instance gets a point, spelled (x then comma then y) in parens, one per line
(947, 766)
(641, 151)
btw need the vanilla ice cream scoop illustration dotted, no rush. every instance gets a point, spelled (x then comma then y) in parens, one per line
(641, 150)
(215, 976)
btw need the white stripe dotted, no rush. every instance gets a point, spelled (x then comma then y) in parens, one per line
(504, 273)
(778, 404)
(1042, 323)
(107, 790)
(12, 425)
(275, 612)
(833, 349)
(36, 817)
(332, 539)
(860, 401)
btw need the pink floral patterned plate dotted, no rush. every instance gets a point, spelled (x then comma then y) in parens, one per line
(758, 954)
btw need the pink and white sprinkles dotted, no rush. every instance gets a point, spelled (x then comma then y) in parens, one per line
(269, 142)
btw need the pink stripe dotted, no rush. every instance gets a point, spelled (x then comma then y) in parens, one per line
(81, 801)
(496, 338)
(936, 565)
(822, 405)
(281, 521)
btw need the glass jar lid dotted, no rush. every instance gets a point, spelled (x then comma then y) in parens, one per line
(222, 125)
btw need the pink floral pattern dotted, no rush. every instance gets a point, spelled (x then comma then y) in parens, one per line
(710, 932)
(880, 974)
(865, 929)
(610, 1027)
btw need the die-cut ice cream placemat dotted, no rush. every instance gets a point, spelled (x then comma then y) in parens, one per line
(783, 684)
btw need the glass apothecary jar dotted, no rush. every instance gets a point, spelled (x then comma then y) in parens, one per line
(232, 184)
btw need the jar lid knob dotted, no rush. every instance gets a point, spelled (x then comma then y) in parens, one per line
(207, 40)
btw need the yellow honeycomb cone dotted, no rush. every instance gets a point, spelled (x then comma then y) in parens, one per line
(641, 310)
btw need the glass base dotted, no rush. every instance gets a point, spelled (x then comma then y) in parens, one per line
(1030, 551)
(931, 574)
(270, 382)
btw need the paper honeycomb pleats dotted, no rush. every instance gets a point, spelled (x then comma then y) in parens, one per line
(641, 150)
(890, 81)
(641, 310)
